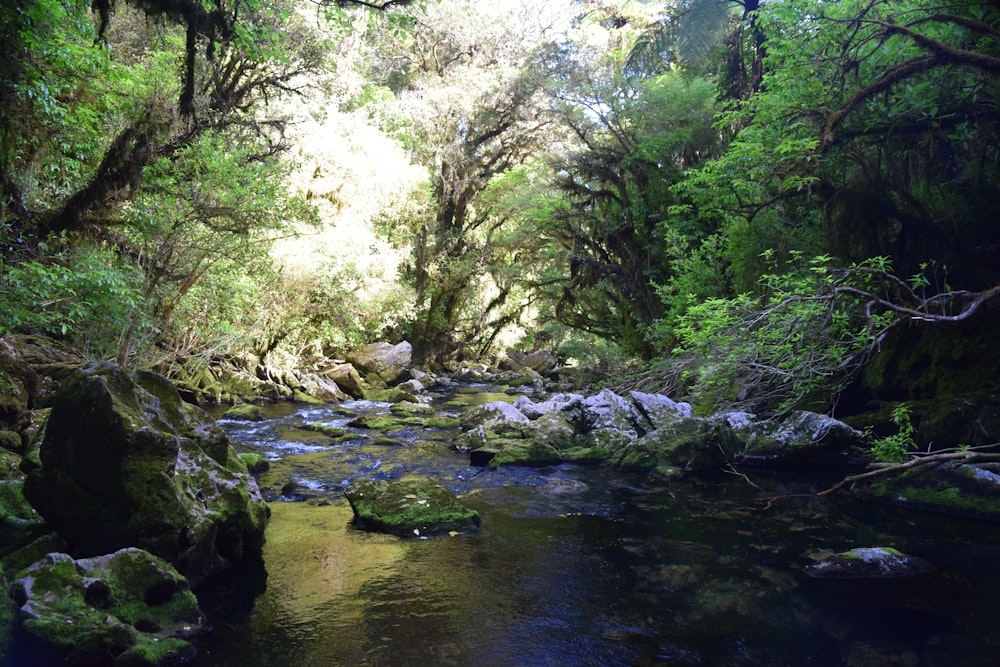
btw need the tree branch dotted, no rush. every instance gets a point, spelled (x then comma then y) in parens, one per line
(970, 455)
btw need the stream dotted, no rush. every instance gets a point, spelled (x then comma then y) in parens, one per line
(582, 565)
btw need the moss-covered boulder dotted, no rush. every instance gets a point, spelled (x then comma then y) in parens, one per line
(687, 444)
(255, 462)
(409, 508)
(948, 487)
(798, 438)
(516, 451)
(867, 563)
(244, 412)
(19, 522)
(382, 361)
(126, 608)
(126, 463)
(498, 416)
(16, 379)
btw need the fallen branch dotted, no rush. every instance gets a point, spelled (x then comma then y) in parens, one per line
(971, 455)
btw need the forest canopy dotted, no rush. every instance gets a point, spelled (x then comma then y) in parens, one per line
(749, 198)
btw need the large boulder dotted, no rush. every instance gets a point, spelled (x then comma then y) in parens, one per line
(796, 439)
(539, 361)
(19, 522)
(498, 416)
(948, 487)
(124, 462)
(349, 380)
(660, 410)
(389, 363)
(16, 380)
(409, 508)
(126, 608)
(685, 445)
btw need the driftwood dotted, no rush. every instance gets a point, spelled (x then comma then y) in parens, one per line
(980, 454)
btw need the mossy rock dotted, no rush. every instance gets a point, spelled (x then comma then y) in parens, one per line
(374, 422)
(867, 563)
(390, 395)
(10, 465)
(409, 508)
(301, 397)
(515, 452)
(408, 409)
(948, 487)
(125, 608)
(326, 429)
(441, 421)
(124, 462)
(19, 522)
(245, 412)
(255, 462)
(587, 454)
(690, 443)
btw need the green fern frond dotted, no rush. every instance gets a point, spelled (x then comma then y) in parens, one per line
(702, 28)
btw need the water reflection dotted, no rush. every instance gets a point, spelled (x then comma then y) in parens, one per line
(586, 566)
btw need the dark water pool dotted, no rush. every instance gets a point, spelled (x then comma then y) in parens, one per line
(585, 566)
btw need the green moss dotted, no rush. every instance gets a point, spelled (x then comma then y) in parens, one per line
(375, 422)
(127, 604)
(442, 422)
(245, 411)
(326, 429)
(865, 553)
(949, 488)
(409, 507)
(302, 397)
(586, 454)
(524, 452)
(255, 463)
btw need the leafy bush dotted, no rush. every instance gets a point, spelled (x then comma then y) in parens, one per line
(86, 296)
(795, 346)
(893, 448)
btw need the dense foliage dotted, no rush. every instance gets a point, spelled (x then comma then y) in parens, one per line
(748, 195)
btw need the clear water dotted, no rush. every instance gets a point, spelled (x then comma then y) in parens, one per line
(582, 566)
(587, 566)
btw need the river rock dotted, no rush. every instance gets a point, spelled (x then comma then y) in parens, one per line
(125, 463)
(347, 378)
(539, 361)
(15, 379)
(797, 438)
(867, 563)
(949, 487)
(683, 445)
(19, 522)
(389, 363)
(562, 402)
(499, 416)
(409, 508)
(608, 410)
(321, 388)
(660, 410)
(125, 608)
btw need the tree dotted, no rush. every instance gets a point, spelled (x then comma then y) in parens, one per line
(468, 103)
(636, 137)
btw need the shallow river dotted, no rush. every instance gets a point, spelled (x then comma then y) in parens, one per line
(583, 566)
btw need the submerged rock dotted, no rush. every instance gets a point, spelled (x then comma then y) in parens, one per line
(409, 508)
(125, 463)
(867, 563)
(126, 608)
(948, 487)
